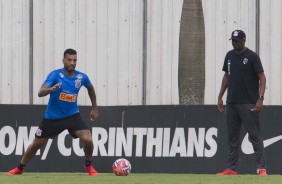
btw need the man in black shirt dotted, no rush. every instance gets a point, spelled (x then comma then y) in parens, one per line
(245, 82)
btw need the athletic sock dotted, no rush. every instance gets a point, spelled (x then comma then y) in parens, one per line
(21, 166)
(87, 163)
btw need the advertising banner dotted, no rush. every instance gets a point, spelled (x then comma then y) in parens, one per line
(155, 139)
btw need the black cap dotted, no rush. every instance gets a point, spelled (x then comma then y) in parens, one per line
(238, 35)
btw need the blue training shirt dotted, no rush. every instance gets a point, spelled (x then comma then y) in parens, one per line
(63, 102)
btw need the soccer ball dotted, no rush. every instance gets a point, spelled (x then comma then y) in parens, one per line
(121, 167)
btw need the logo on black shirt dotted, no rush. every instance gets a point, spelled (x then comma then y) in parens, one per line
(245, 61)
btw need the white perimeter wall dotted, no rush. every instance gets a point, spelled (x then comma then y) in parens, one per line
(108, 37)
(14, 52)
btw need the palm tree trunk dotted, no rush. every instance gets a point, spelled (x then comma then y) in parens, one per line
(191, 69)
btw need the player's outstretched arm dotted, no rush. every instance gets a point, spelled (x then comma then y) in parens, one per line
(45, 89)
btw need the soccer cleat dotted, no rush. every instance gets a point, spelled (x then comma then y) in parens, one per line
(261, 172)
(227, 172)
(15, 171)
(91, 171)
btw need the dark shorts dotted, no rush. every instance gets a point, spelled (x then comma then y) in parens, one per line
(52, 127)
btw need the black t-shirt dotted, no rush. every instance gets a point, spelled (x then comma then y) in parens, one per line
(243, 83)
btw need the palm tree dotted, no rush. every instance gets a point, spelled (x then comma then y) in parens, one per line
(191, 69)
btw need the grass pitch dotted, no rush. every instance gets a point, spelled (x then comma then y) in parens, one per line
(108, 178)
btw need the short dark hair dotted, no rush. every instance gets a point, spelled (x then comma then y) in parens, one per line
(70, 51)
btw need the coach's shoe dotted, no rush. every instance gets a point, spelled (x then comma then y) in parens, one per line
(15, 171)
(227, 172)
(91, 171)
(261, 172)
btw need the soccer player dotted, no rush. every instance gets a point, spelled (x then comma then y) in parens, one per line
(62, 112)
(244, 77)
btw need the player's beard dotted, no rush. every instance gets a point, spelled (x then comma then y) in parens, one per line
(70, 69)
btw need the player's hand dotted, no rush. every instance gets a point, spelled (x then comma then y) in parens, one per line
(56, 86)
(220, 105)
(94, 114)
(259, 105)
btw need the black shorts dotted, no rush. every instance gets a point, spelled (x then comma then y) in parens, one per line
(52, 127)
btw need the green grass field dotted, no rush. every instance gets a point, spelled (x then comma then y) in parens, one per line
(103, 178)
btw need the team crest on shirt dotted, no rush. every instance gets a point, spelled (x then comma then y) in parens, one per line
(245, 61)
(77, 83)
